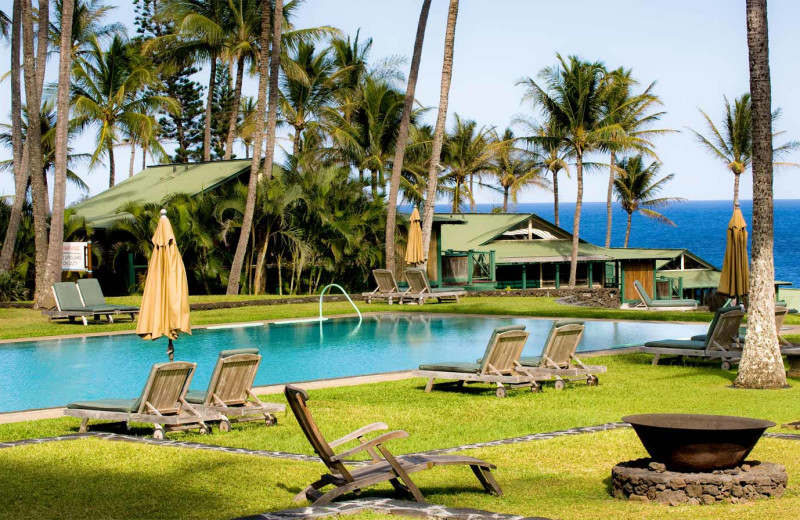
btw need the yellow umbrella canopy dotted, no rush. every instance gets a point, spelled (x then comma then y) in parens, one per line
(165, 302)
(735, 277)
(414, 254)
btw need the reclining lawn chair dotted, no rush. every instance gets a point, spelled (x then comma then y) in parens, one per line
(387, 287)
(162, 403)
(722, 341)
(661, 305)
(383, 467)
(499, 365)
(780, 317)
(92, 296)
(230, 391)
(70, 305)
(558, 357)
(420, 290)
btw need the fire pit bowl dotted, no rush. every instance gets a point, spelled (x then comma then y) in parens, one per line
(697, 443)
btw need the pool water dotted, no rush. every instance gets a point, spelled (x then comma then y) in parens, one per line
(39, 374)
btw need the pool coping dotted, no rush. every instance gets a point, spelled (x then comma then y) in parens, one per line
(334, 316)
(312, 384)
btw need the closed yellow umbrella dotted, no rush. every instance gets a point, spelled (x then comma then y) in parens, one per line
(414, 254)
(735, 278)
(165, 302)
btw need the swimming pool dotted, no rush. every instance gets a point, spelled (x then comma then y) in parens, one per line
(39, 374)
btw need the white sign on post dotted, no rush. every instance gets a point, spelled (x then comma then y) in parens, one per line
(74, 256)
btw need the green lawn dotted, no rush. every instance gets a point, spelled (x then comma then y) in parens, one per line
(22, 323)
(561, 478)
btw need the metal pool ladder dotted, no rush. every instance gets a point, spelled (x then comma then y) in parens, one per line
(337, 286)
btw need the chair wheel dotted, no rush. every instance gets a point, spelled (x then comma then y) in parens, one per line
(592, 381)
(726, 365)
(535, 389)
(501, 392)
(158, 434)
(559, 385)
(205, 430)
(225, 426)
(271, 420)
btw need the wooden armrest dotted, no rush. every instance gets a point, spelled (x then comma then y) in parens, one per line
(359, 433)
(397, 434)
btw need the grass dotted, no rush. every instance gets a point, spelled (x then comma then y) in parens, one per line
(565, 477)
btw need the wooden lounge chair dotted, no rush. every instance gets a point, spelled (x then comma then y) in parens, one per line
(387, 287)
(383, 467)
(780, 317)
(162, 403)
(499, 364)
(230, 390)
(92, 296)
(722, 341)
(661, 305)
(558, 357)
(420, 290)
(70, 305)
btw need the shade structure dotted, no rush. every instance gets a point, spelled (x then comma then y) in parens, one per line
(414, 254)
(735, 277)
(165, 302)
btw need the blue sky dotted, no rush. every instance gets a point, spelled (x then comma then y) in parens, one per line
(696, 51)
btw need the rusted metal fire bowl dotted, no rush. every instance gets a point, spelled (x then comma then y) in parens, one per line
(697, 443)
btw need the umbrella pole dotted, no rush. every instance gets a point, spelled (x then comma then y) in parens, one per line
(171, 351)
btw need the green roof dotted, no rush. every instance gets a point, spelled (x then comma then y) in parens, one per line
(543, 251)
(483, 229)
(155, 183)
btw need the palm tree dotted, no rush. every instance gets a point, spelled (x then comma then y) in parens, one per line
(631, 118)
(468, 152)
(514, 168)
(762, 364)
(402, 136)
(734, 144)
(87, 24)
(439, 131)
(20, 170)
(571, 100)
(246, 128)
(271, 17)
(636, 190)
(110, 91)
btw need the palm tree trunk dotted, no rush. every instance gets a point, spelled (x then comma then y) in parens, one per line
(296, 141)
(144, 158)
(471, 198)
(237, 96)
(628, 229)
(133, 159)
(207, 130)
(505, 199)
(374, 184)
(761, 365)
(555, 197)
(34, 141)
(736, 177)
(456, 196)
(19, 164)
(274, 61)
(42, 36)
(54, 252)
(112, 170)
(576, 226)
(258, 282)
(402, 137)
(438, 135)
(611, 176)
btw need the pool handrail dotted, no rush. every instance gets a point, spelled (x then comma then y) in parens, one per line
(322, 294)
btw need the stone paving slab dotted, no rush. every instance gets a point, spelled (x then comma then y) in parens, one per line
(387, 506)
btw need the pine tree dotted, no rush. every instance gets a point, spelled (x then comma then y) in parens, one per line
(186, 127)
(222, 101)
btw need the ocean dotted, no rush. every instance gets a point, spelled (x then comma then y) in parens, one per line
(700, 228)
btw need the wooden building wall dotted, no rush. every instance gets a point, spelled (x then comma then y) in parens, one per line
(400, 259)
(641, 270)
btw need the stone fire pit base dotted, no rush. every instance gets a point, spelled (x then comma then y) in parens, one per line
(647, 481)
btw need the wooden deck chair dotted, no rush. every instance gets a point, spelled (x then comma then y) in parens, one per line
(558, 356)
(230, 390)
(722, 341)
(92, 296)
(499, 365)
(382, 468)
(780, 317)
(70, 305)
(661, 305)
(162, 403)
(420, 290)
(387, 287)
